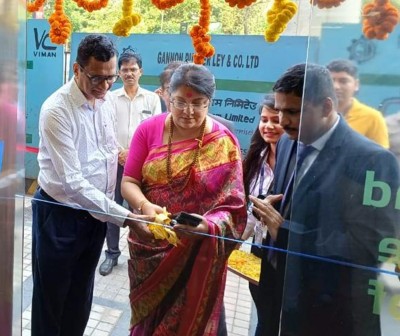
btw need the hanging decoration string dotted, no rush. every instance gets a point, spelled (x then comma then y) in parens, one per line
(377, 270)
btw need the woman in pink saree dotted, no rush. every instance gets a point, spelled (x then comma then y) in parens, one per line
(184, 161)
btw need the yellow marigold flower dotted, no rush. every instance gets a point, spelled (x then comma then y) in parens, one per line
(161, 230)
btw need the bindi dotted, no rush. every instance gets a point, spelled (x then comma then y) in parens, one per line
(189, 94)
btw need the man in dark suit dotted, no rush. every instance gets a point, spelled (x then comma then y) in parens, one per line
(330, 219)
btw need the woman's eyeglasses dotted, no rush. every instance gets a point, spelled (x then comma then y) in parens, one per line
(180, 105)
(97, 79)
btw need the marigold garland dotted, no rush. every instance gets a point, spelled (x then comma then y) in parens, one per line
(166, 4)
(240, 3)
(92, 5)
(35, 6)
(281, 12)
(60, 26)
(326, 3)
(379, 19)
(129, 19)
(199, 34)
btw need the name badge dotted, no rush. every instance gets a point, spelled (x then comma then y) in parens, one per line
(146, 112)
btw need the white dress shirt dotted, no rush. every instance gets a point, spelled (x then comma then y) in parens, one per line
(131, 112)
(78, 152)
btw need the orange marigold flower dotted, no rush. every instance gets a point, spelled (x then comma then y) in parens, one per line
(326, 3)
(35, 6)
(91, 5)
(379, 19)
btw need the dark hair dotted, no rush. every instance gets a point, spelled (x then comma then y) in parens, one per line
(198, 77)
(254, 160)
(128, 56)
(311, 82)
(165, 76)
(100, 47)
(344, 65)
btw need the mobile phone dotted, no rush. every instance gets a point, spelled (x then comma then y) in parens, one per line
(187, 219)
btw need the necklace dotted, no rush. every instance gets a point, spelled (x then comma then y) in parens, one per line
(195, 157)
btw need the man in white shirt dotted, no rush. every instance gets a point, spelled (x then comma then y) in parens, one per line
(134, 104)
(77, 158)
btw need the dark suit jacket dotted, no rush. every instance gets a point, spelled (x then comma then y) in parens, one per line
(322, 295)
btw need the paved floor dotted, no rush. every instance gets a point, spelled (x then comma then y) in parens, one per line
(110, 311)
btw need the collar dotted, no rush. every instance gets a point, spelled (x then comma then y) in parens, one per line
(79, 98)
(319, 144)
(121, 92)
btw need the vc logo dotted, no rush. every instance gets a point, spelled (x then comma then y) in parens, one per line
(41, 42)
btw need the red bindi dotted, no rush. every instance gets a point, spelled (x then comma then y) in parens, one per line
(189, 94)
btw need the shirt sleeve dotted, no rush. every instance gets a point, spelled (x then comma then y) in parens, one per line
(58, 141)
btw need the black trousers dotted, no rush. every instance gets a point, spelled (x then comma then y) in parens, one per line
(66, 247)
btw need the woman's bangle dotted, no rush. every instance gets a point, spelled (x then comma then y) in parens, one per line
(140, 207)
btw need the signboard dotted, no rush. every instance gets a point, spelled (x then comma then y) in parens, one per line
(245, 68)
(44, 75)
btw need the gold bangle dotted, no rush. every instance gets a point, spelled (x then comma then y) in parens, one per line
(140, 207)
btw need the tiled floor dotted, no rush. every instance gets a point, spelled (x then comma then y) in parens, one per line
(110, 313)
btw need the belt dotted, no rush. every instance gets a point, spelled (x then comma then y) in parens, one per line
(84, 213)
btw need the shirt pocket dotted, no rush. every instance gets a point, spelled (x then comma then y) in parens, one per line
(109, 137)
(145, 114)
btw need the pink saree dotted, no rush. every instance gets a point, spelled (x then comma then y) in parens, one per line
(179, 290)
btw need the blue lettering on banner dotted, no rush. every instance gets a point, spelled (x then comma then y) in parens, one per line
(40, 42)
(1, 154)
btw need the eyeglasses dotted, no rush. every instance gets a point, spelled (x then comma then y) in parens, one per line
(97, 79)
(180, 105)
(127, 71)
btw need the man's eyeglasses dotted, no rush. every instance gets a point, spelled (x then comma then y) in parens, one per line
(97, 79)
(180, 105)
(127, 71)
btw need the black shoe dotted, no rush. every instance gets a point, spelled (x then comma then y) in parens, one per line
(107, 266)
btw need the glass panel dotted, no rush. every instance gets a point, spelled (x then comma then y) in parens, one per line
(12, 142)
(343, 231)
